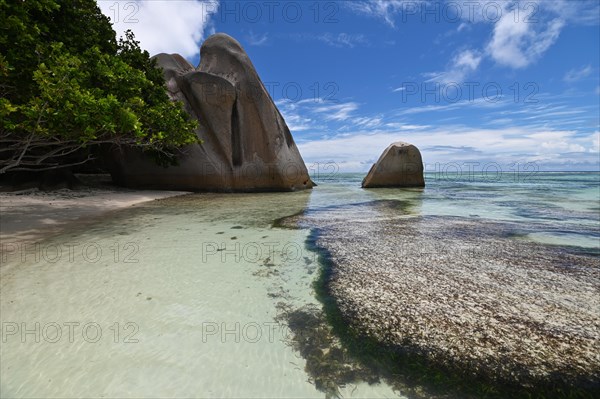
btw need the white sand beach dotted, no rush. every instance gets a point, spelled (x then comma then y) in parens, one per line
(31, 215)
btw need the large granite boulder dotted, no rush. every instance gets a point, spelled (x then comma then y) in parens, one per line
(247, 145)
(400, 165)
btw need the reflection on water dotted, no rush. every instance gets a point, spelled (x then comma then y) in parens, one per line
(181, 297)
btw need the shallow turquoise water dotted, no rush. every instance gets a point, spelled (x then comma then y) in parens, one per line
(179, 297)
(175, 298)
(549, 207)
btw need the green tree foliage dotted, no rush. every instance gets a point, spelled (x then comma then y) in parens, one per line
(68, 86)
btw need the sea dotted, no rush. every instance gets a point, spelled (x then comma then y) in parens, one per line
(183, 297)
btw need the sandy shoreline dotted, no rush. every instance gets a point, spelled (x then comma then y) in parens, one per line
(31, 215)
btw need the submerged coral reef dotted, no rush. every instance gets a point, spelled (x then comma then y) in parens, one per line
(463, 294)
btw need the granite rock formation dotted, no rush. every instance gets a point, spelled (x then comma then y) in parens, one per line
(400, 165)
(246, 146)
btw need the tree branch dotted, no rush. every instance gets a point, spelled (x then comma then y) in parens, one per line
(59, 166)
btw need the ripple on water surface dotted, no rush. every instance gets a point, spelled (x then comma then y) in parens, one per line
(173, 298)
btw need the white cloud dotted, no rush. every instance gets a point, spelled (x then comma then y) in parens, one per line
(595, 142)
(547, 115)
(356, 151)
(547, 138)
(516, 44)
(558, 141)
(367, 122)
(162, 26)
(462, 26)
(480, 102)
(343, 39)
(294, 119)
(522, 33)
(383, 9)
(467, 59)
(337, 112)
(463, 63)
(570, 147)
(314, 114)
(255, 39)
(581, 12)
(297, 123)
(403, 126)
(577, 74)
(340, 40)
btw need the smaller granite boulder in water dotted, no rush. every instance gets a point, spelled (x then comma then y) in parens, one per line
(400, 165)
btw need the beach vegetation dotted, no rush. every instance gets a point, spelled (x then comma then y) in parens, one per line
(69, 88)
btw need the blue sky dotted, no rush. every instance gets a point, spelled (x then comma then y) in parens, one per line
(471, 83)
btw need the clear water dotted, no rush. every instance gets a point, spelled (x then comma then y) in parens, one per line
(179, 297)
(551, 207)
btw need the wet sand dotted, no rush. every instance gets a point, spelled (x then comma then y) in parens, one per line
(31, 215)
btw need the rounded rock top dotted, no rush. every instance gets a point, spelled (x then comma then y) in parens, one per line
(221, 40)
